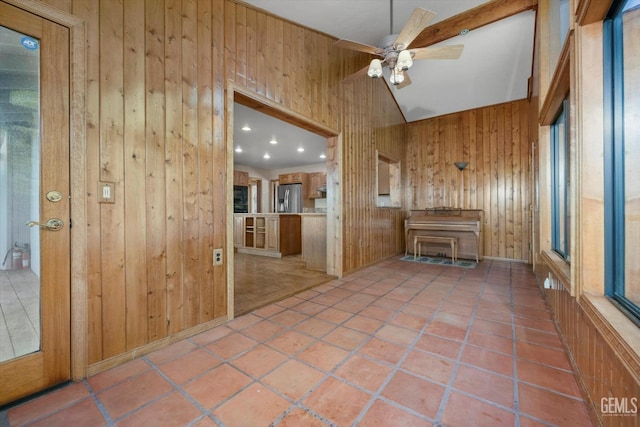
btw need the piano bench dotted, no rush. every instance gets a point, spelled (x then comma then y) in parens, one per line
(419, 240)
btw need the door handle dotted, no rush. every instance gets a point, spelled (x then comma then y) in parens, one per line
(53, 224)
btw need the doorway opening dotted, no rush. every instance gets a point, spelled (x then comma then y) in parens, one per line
(267, 262)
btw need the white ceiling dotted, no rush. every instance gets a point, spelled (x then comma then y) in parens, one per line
(493, 68)
(257, 142)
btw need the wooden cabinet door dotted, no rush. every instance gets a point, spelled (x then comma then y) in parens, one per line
(284, 179)
(238, 232)
(272, 233)
(240, 178)
(316, 180)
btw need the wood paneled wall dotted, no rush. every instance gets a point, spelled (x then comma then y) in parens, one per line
(495, 142)
(154, 80)
(605, 365)
(370, 233)
(157, 72)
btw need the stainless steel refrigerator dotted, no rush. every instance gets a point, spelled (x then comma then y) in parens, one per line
(290, 198)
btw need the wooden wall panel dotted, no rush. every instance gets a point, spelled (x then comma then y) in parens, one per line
(112, 220)
(157, 72)
(155, 208)
(494, 141)
(155, 127)
(605, 367)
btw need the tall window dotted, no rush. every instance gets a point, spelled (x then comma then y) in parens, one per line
(622, 152)
(560, 184)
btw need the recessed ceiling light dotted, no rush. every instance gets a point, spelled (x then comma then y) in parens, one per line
(300, 150)
(273, 141)
(266, 156)
(238, 149)
(246, 128)
(323, 156)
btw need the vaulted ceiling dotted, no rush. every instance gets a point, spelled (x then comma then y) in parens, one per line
(494, 67)
(495, 64)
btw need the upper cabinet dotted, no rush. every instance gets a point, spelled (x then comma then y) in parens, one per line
(293, 178)
(240, 178)
(317, 188)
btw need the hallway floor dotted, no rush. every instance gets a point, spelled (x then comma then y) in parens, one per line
(395, 344)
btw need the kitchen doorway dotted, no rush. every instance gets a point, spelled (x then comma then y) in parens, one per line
(289, 274)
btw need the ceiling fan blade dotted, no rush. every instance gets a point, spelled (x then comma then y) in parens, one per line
(418, 21)
(360, 47)
(406, 82)
(438, 52)
(353, 77)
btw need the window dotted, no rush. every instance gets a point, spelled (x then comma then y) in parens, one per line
(622, 151)
(559, 23)
(560, 184)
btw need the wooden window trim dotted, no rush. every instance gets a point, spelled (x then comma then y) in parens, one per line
(560, 84)
(590, 11)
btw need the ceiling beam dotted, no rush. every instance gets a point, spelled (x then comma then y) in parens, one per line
(477, 17)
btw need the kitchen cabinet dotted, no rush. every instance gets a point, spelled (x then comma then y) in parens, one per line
(290, 234)
(317, 180)
(240, 178)
(238, 231)
(293, 178)
(272, 235)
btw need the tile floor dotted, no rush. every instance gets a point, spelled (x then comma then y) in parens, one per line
(395, 344)
(19, 313)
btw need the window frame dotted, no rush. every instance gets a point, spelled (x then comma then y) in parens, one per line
(614, 164)
(560, 242)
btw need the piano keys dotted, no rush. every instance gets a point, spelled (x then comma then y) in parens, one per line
(464, 224)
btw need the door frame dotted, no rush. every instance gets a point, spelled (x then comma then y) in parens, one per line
(334, 176)
(77, 175)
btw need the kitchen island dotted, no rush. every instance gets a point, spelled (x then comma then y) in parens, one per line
(267, 234)
(280, 234)
(314, 241)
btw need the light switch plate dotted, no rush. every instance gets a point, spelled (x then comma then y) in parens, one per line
(106, 192)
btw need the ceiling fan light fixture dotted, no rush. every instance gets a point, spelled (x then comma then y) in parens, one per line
(375, 69)
(397, 76)
(404, 60)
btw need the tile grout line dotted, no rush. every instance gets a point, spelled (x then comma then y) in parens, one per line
(449, 386)
(178, 388)
(516, 394)
(98, 402)
(397, 366)
(331, 373)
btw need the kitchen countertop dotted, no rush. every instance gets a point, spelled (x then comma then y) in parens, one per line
(283, 213)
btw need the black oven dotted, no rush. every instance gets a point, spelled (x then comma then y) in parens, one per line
(240, 199)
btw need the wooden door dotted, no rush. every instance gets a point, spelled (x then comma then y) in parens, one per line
(34, 193)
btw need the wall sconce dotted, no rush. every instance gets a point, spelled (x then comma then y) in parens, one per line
(461, 165)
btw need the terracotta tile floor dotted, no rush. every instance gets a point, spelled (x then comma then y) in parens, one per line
(395, 344)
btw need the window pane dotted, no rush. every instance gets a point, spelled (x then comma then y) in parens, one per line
(19, 194)
(631, 105)
(561, 184)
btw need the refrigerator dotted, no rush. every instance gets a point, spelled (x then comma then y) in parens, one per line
(290, 198)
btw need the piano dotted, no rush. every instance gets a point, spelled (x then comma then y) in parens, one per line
(465, 224)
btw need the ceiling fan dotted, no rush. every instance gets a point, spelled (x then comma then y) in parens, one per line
(394, 49)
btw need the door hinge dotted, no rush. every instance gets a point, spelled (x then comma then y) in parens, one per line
(70, 224)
